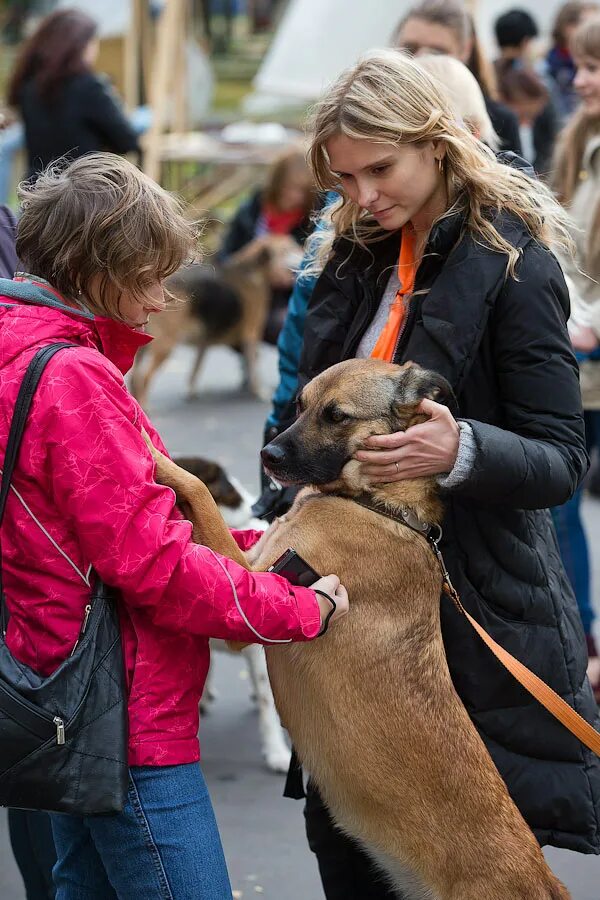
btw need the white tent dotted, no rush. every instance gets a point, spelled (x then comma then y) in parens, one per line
(317, 39)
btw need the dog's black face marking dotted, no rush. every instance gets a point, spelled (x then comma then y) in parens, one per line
(291, 460)
(339, 409)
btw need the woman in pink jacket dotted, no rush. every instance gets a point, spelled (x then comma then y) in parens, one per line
(99, 238)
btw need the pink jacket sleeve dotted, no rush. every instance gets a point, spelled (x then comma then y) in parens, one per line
(247, 538)
(128, 528)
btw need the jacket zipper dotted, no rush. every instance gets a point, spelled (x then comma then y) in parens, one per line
(86, 616)
(359, 328)
(46, 718)
(60, 730)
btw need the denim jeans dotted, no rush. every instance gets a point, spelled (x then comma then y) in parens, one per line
(165, 845)
(572, 541)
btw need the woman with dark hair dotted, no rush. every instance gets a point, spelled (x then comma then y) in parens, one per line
(67, 110)
(444, 26)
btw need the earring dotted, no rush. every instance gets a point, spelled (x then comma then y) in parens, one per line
(441, 165)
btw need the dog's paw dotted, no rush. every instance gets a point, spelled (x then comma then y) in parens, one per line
(278, 760)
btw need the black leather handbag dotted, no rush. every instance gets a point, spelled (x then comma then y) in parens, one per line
(63, 739)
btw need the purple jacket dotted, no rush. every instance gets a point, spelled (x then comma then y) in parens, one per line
(8, 256)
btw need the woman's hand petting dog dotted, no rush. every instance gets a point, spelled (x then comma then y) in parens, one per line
(330, 585)
(429, 448)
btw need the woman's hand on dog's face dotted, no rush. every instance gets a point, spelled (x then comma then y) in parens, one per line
(426, 449)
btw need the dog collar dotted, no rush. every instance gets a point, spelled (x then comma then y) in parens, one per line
(402, 514)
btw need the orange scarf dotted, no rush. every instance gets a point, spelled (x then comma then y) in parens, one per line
(388, 339)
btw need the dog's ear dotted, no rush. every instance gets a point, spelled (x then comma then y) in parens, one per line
(413, 384)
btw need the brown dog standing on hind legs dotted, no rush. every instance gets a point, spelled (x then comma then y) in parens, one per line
(370, 706)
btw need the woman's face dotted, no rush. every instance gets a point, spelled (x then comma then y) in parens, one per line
(136, 312)
(418, 37)
(294, 189)
(395, 183)
(133, 311)
(587, 84)
(90, 53)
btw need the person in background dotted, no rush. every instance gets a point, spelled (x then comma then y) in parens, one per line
(66, 108)
(284, 206)
(576, 181)
(465, 95)
(559, 65)
(444, 26)
(515, 33)
(523, 90)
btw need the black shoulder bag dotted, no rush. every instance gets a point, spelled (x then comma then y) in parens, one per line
(63, 739)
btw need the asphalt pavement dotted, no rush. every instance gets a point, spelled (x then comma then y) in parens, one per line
(263, 833)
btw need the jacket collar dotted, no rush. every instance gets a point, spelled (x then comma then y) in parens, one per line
(117, 341)
(460, 280)
(461, 286)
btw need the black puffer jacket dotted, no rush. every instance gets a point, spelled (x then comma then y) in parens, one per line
(503, 346)
(83, 117)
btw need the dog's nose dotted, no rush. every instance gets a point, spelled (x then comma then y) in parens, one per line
(272, 455)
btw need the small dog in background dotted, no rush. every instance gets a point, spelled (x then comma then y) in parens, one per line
(235, 504)
(228, 304)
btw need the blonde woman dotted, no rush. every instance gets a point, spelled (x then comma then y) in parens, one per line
(465, 94)
(439, 254)
(98, 238)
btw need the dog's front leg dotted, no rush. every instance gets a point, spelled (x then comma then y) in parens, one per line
(197, 504)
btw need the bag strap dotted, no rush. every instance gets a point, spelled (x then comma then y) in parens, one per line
(15, 435)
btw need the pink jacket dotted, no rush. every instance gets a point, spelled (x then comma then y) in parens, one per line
(84, 496)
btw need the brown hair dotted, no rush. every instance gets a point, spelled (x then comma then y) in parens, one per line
(100, 216)
(573, 140)
(53, 53)
(568, 14)
(452, 15)
(277, 176)
(516, 81)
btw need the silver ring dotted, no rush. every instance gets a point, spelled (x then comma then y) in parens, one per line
(397, 468)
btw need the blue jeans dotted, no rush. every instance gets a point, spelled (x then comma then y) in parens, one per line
(165, 845)
(572, 541)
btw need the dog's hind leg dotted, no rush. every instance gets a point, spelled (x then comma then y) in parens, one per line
(200, 354)
(250, 363)
(158, 352)
(275, 750)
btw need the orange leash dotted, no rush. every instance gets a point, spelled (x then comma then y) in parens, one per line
(544, 694)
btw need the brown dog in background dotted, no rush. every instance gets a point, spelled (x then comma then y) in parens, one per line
(370, 706)
(228, 304)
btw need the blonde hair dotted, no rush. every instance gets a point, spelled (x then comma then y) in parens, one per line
(572, 142)
(465, 94)
(388, 98)
(99, 216)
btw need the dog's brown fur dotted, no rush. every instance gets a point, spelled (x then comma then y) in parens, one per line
(250, 278)
(370, 707)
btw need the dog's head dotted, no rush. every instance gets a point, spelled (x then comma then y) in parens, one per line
(341, 408)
